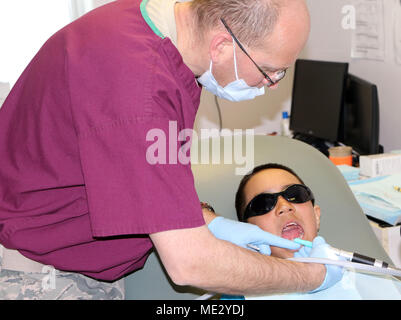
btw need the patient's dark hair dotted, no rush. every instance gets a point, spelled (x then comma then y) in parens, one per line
(240, 196)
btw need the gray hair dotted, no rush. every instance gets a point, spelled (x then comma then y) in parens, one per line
(250, 20)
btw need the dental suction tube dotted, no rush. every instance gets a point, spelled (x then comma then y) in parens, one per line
(352, 265)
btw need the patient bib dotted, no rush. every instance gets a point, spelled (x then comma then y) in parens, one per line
(353, 286)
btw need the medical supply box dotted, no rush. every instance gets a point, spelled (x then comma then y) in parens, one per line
(390, 238)
(380, 164)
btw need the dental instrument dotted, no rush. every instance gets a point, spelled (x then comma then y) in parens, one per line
(253, 247)
(303, 242)
(350, 256)
(354, 260)
(369, 265)
(351, 265)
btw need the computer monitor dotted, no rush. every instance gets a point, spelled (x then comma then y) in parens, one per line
(360, 121)
(317, 98)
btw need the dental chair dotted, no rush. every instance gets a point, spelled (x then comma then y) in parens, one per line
(343, 223)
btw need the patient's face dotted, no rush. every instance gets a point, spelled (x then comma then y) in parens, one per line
(287, 220)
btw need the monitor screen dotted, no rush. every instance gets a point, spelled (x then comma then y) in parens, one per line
(361, 116)
(317, 98)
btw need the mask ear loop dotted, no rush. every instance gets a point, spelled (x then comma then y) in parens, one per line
(235, 60)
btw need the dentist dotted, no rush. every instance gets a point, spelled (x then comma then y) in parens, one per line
(76, 191)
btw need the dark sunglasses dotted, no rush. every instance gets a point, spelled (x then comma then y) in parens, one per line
(265, 202)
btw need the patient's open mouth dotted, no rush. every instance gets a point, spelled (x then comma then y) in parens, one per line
(292, 230)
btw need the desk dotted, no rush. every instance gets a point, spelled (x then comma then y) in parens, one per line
(383, 220)
(378, 197)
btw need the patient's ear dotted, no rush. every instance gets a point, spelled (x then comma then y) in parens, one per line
(316, 209)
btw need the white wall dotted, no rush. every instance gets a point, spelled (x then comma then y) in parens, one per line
(4, 90)
(327, 41)
(24, 26)
(80, 7)
(263, 113)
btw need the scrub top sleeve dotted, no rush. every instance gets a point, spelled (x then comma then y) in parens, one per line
(133, 186)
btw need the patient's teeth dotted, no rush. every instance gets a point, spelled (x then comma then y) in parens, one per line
(292, 230)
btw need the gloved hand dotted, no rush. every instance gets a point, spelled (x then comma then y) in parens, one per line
(334, 273)
(242, 234)
(304, 252)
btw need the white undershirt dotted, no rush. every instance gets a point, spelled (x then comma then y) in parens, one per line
(161, 12)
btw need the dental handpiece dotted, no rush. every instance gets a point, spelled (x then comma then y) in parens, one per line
(352, 260)
(360, 258)
(350, 256)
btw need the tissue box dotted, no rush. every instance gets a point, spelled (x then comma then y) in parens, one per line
(380, 164)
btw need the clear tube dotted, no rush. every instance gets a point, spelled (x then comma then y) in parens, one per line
(347, 264)
(206, 296)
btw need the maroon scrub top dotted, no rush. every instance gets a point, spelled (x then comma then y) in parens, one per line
(76, 190)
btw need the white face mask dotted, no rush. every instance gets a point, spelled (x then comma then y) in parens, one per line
(235, 91)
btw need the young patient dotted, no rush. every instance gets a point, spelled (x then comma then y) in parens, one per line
(287, 219)
(294, 214)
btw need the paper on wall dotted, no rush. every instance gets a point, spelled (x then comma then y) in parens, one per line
(368, 39)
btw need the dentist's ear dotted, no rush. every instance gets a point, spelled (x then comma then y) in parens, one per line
(218, 48)
(316, 209)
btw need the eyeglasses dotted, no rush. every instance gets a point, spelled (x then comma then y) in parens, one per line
(277, 75)
(265, 202)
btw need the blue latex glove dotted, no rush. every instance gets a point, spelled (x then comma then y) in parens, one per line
(321, 249)
(242, 234)
(304, 252)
